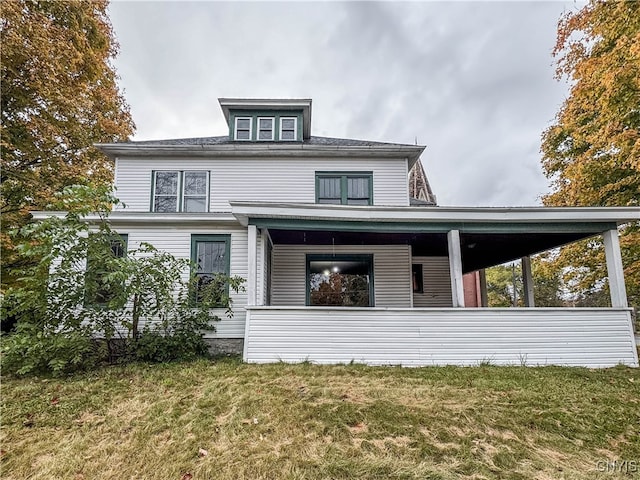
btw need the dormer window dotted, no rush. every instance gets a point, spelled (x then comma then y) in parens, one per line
(267, 120)
(288, 128)
(243, 128)
(265, 128)
(266, 125)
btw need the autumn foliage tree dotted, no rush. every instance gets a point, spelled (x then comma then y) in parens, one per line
(592, 151)
(59, 96)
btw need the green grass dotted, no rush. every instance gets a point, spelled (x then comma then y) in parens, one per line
(322, 422)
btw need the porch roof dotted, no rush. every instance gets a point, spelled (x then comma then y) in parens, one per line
(252, 212)
(489, 236)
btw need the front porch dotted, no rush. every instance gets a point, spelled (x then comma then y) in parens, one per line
(590, 337)
(400, 271)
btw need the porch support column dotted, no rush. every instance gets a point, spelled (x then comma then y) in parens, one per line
(260, 271)
(455, 268)
(527, 282)
(252, 269)
(484, 298)
(615, 269)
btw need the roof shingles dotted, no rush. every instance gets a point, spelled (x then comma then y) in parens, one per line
(224, 140)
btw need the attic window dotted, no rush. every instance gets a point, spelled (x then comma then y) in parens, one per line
(288, 128)
(265, 128)
(243, 128)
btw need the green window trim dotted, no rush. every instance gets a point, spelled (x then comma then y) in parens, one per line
(344, 182)
(210, 238)
(90, 300)
(368, 258)
(180, 191)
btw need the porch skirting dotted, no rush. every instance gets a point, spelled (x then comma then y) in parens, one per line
(590, 337)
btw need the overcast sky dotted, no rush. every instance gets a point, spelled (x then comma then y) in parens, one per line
(473, 81)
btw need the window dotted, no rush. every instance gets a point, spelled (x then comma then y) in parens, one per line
(340, 280)
(165, 188)
(97, 291)
(265, 128)
(265, 125)
(210, 257)
(194, 195)
(344, 188)
(417, 278)
(288, 128)
(180, 191)
(242, 128)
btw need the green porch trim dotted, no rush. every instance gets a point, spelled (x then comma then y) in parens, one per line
(431, 227)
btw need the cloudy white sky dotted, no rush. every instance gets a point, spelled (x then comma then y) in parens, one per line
(473, 81)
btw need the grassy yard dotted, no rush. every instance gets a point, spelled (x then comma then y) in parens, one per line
(227, 420)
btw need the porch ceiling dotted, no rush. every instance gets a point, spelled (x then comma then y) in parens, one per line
(479, 250)
(488, 236)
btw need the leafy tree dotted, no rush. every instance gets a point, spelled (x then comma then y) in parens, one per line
(592, 152)
(500, 285)
(77, 289)
(548, 289)
(59, 96)
(547, 284)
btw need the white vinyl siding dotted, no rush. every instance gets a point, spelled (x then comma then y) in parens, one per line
(290, 180)
(177, 241)
(422, 337)
(391, 272)
(436, 281)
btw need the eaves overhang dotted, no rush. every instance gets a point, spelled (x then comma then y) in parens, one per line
(149, 218)
(304, 104)
(437, 219)
(264, 150)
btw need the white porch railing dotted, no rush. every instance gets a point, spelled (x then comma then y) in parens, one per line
(591, 337)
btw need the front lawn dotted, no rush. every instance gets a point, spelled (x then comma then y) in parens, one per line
(227, 420)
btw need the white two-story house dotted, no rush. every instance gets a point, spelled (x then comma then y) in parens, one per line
(340, 263)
